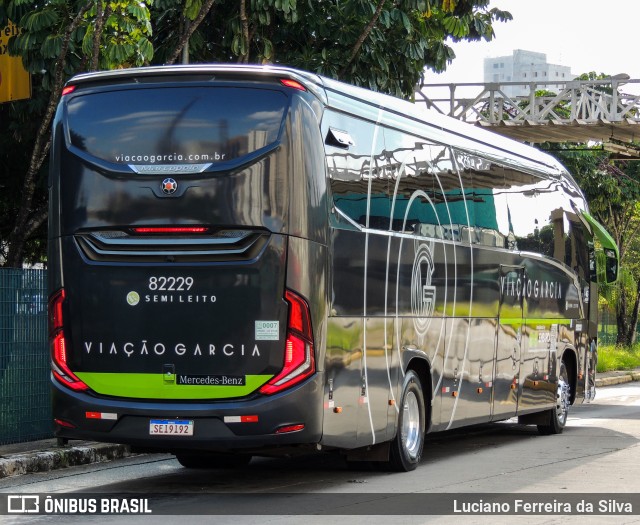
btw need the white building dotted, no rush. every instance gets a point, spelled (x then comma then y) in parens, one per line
(525, 66)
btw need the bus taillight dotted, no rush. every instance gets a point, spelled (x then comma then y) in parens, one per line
(292, 84)
(171, 229)
(299, 359)
(58, 344)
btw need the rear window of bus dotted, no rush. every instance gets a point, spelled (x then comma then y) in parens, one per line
(175, 125)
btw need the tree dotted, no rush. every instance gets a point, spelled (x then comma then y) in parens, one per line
(612, 188)
(381, 44)
(57, 39)
(384, 45)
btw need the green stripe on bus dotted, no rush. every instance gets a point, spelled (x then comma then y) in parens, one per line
(547, 321)
(153, 386)
(525, 320)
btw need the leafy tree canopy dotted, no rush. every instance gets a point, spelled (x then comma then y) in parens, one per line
(57, 39)
(383, 45)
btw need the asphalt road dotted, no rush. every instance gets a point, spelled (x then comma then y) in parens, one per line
(597, 455)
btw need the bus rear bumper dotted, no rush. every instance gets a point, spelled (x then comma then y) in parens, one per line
(262, 422)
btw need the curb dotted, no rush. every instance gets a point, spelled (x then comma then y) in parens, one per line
(617, 379)
(60, 457)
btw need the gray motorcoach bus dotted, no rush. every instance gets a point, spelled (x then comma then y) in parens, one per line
(258, 260)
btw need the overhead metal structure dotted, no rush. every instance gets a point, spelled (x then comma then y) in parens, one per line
(553, 111)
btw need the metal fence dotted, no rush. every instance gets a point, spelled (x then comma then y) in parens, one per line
(25, 395)
(607, 327)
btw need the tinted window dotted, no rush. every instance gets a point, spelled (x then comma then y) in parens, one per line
(361, 169)
(176, 125)
(426, 194)
(484, 188)
(576, 248)
(537, 219)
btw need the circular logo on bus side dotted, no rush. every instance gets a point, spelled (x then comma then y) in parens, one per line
(169, 186)
(423, 293)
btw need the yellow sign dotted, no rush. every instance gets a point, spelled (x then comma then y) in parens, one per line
(15, 82)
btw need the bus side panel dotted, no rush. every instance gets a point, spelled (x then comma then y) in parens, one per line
(379, 305)
(467, 381)
(552, 308)
(473, 403)
(343, 365)
(379, 367)
(431, 353)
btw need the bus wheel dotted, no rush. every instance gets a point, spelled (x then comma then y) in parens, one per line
(407, 447)
(206, 460)
(558, 415)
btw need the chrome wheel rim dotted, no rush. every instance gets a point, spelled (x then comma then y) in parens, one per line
(563, 399)
(410, 430)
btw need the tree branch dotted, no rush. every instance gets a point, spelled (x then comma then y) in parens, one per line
(97, 30)
(363, 36)
(101, 18)
(41, 147)
(191, 27)
(244, 57)
(38, 217)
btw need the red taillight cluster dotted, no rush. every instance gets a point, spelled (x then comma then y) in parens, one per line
(58, 344)
(299, 359)
(292, 84)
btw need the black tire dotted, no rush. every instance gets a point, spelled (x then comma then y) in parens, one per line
(408, 445)
(557, 417)
(207, 460)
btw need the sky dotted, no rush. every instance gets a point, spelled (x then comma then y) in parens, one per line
(586, 35)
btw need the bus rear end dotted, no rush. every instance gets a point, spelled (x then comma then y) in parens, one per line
(186, 243)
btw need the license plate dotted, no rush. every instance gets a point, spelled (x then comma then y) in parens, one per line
(170, 427)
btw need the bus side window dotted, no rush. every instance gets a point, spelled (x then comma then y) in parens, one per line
(536, 213)
(358, 170)
(423, 178)
(577, 250)
(483, 182)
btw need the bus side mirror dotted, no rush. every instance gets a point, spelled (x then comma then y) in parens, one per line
(611, 266)
(609, 249)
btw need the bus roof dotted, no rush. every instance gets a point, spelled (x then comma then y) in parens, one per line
(345, 97)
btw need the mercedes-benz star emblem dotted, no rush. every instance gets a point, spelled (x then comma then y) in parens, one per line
(169, 186)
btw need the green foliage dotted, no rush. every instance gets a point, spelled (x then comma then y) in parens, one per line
(618, 358)
(612, 189)
(192, 8)
(611, 294)
(39, 20)
(124, 40)
(56, 36)
(322, 35)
